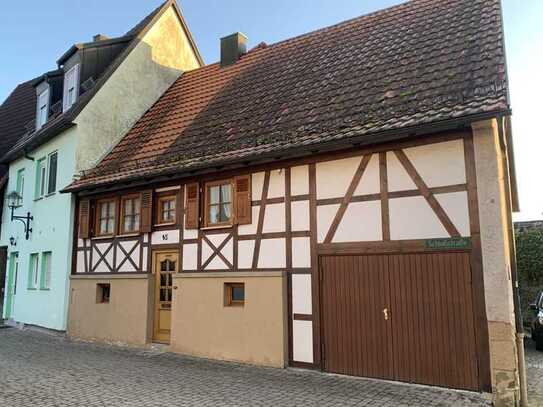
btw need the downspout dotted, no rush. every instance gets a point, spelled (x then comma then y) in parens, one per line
(519, 337)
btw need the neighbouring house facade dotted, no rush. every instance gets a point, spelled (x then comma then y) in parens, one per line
(16, 112)
(81, 110)
(339, 201)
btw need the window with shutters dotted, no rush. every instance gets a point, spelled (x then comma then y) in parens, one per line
(43, 108)
(71, 87)
(130, 213)
(166, 211)
(218, 203)
(106, 211)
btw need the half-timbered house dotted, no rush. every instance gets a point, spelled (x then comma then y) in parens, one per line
(340, 200)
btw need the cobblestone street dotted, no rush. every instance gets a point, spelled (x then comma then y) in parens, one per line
(38, 369)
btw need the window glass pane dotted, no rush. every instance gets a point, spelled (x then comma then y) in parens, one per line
(46, 269)
(225, 212)
(136, 222)
(238, 293)
(20, 182)
(214, 214)
(103, 211)
(111, 209)
(214, 193)
(42, 179)
(127, 225)
(109, 227)
(225, 193)
(128, 207)
(52, 184)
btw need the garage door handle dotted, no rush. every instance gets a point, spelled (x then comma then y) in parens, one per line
(385, 313)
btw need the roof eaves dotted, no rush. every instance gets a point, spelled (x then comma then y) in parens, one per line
(35, 140)
(72, 50)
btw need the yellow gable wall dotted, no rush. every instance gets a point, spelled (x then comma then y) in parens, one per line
(159, 58)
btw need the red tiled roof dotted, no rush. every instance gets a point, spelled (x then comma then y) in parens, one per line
(421, 62)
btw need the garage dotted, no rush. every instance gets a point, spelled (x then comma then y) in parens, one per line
(404, 317)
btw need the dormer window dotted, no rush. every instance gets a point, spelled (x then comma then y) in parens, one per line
(71, 87)
(43, 108)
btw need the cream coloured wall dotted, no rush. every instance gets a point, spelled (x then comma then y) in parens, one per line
(123, 320)
(255, 333)
(152, 66)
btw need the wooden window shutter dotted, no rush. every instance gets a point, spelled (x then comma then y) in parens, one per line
(242, 188)
(146, 216)
(192, 206)
(84, 218)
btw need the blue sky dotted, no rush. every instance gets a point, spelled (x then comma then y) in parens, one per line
(34, 34)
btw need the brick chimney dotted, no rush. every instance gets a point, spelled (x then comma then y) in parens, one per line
(99, 37)
(233, 47)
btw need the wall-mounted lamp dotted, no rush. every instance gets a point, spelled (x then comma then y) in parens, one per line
(12, 241)
(15, 200)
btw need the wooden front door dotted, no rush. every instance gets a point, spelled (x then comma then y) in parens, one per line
(405, 317)
(166, 263)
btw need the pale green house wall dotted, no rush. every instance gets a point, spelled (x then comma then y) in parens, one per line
(156, 61)
(52, 231)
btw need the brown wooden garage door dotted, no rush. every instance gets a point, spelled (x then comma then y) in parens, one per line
(406, 317)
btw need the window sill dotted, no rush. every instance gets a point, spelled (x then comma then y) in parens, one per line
(44, 289)
(31, 288)
(217, 227)
(38, 198)
(131, 234)
(104, 237)
(50, 194)
(157, 225)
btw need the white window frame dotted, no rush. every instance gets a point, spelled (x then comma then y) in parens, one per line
(20, 183)
(71, 82)
(45, 270)
(41, 177)
(34, 275)
(48, 172)
(42, 104)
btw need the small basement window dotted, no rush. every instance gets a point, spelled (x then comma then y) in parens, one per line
(234, 294)
(103, 291)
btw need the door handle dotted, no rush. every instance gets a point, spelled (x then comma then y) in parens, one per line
(385, 313)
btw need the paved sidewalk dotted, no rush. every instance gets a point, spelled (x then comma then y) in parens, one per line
(534, 371)
(38, 369)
